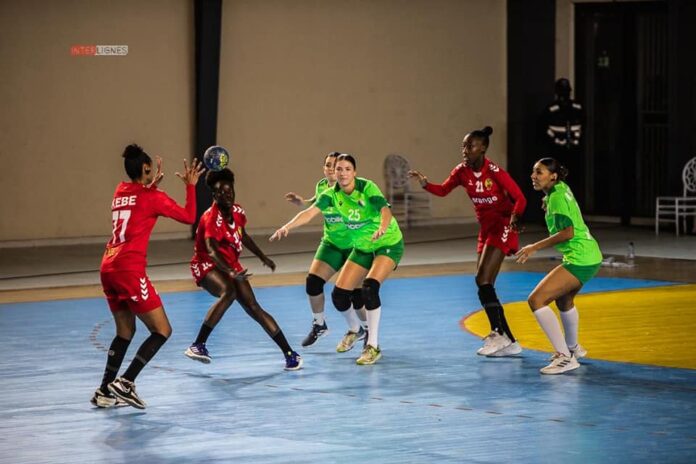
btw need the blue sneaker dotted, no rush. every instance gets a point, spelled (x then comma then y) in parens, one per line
(198, 352)
(293, 361)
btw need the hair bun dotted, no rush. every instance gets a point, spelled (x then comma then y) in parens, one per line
(132, 151)
(488, 130)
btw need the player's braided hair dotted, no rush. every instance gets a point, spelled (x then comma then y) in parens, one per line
(555, 167)
(133, 159)
(214, 177)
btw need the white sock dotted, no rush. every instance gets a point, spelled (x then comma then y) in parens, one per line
(549, 324)
(570, 326)
(351, 319)
(316, 302)
(362, 315)
(373, 316)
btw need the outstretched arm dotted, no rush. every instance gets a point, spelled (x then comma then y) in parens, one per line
(440, 190)
(249, 243)
(562, 235)
(297, 200)
(300, 219)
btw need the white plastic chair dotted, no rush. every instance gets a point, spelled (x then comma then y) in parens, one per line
(674, 209)
(407, 206)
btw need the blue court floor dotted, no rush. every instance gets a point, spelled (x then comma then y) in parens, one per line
(430, 398)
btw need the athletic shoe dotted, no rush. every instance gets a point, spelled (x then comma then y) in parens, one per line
(315, 334)
(106, 400)
(578, 352)
(560, 363)
(349, 340)
(370, 355)
(493, 342)
(510, 350)
(198, 352)
(293, 361)
(125, 390)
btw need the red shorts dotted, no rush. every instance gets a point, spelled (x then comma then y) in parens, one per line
(201, 265)
(130, 290)
(497, 233)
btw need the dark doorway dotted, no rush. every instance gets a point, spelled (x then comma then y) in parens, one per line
(621, 67)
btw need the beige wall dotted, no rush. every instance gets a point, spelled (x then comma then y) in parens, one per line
(64, 120)
(299, 78)
(302, 78)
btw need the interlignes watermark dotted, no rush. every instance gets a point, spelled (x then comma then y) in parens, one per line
(99, 50)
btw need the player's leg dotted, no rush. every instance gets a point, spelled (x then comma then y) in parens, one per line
(247, 299)
(501, 341)
(555, 284)
(385, 261)
(125, 329)
(319, 273)
(220, 285)
(571, 321)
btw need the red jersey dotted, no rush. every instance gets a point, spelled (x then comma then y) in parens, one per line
(492, 191)
(134, 212)
(229, 236)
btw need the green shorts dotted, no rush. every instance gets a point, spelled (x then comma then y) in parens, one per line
(365, 258)
(582, 273)
(332, 255)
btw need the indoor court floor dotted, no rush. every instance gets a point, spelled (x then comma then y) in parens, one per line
(429, 399)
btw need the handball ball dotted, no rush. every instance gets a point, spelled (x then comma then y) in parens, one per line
(216, 158)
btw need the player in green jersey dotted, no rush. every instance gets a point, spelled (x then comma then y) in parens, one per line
(377, 244)
(581, 261)
(332, 253)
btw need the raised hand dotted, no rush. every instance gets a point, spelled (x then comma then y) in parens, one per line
(192, 173)
(417, 175)
(159, 175)
(294, 198)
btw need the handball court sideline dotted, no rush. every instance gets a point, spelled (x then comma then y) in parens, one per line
(429, 399)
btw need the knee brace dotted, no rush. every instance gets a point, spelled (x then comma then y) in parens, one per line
(357, 298)
(487, 296)
(370, 293)
(341, 298)
(315, 285)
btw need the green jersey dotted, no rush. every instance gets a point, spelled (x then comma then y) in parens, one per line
(335, 231)
(361, 213)
(562, 210)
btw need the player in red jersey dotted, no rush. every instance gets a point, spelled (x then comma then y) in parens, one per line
(215, 267)
(129, 292)
(499, 203)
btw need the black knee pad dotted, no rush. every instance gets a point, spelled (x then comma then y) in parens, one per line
(487, 296)
(341, 298)
(358, 301)
(370, 293)
(315, 285)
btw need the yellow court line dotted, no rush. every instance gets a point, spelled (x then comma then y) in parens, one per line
(645, 326)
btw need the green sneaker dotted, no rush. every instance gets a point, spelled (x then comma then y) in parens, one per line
(349, 340)
(370, 355)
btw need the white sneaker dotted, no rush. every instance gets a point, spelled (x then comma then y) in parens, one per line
(560, 363)
(493, 342)
(578, 351)
(510, 350)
